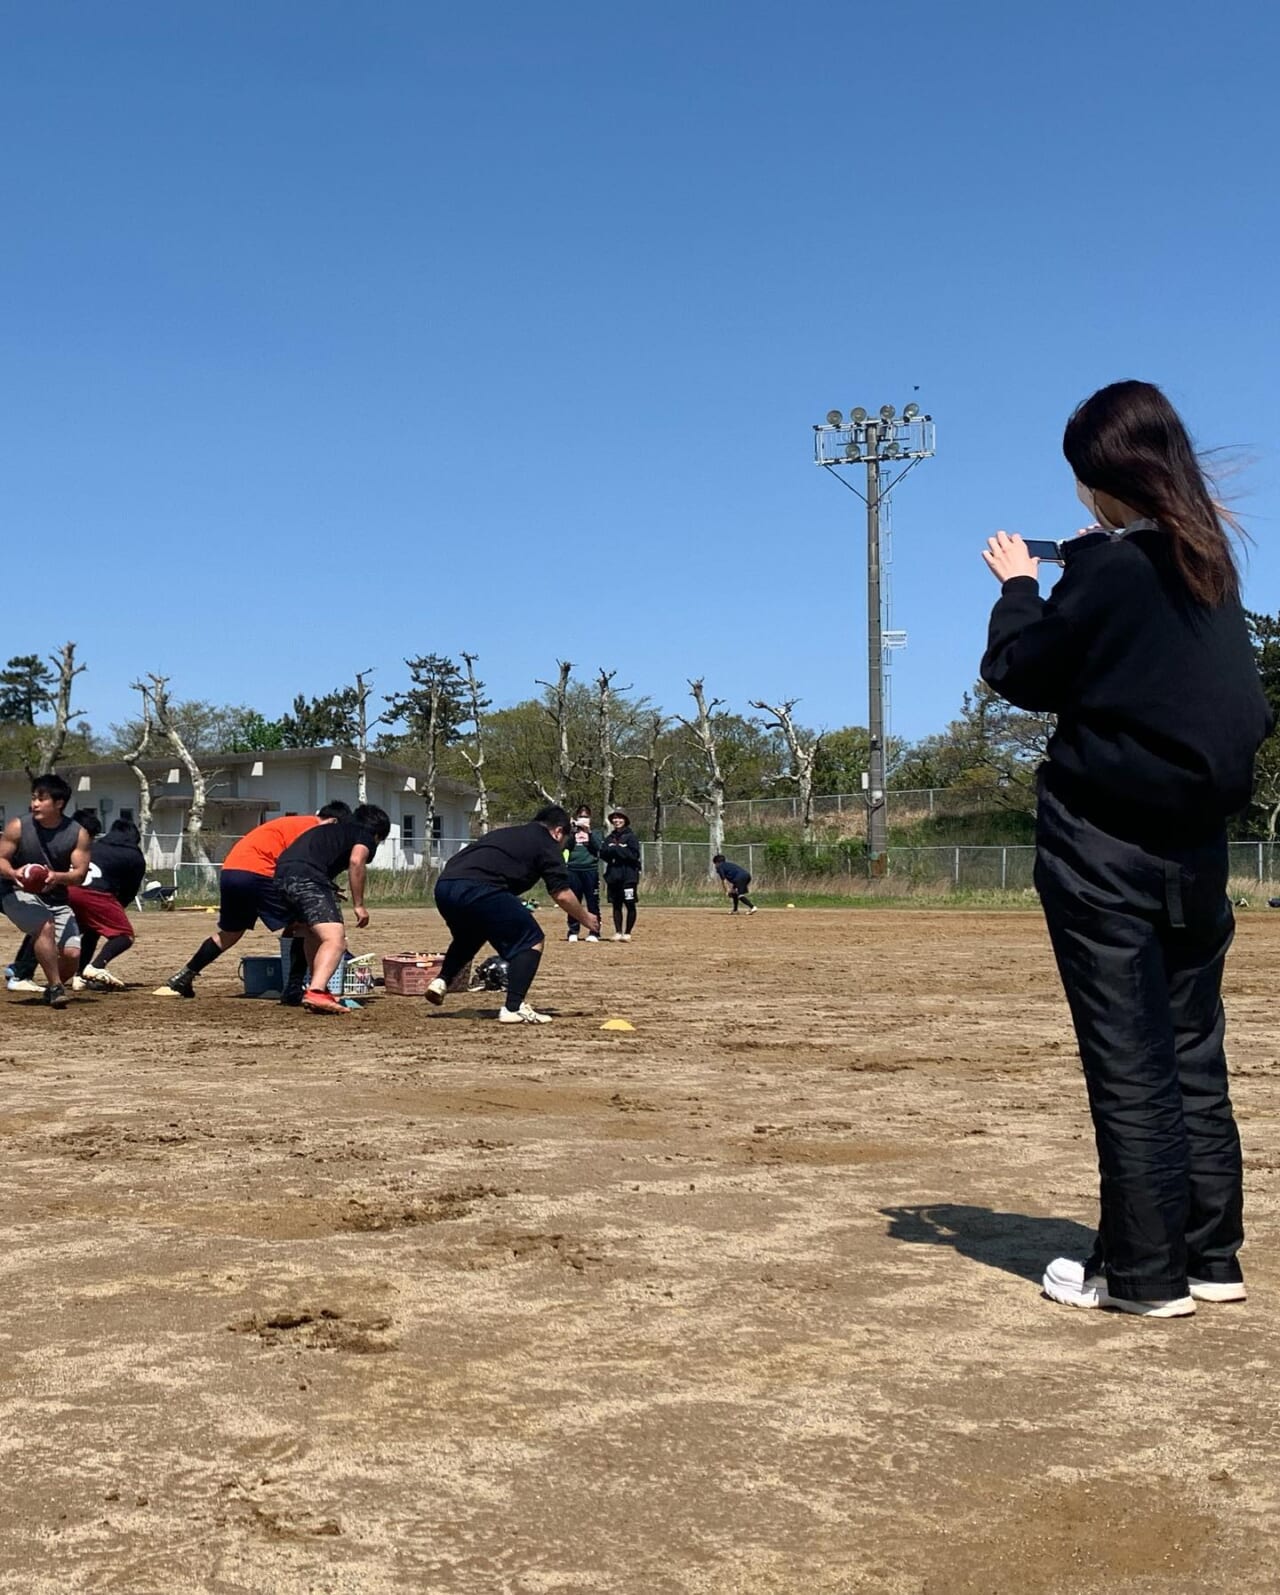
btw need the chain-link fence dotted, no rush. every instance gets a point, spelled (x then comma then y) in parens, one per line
(773, 864)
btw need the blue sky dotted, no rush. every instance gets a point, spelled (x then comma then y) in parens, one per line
(335, 332)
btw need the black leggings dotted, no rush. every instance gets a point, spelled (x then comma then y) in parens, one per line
(585, 885)
(1140, 936)
(622, 897)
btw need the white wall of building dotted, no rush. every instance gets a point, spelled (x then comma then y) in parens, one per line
(250, 790)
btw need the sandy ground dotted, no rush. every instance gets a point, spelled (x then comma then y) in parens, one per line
(743, 1301)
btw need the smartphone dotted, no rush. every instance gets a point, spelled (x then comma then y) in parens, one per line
(1042, 548)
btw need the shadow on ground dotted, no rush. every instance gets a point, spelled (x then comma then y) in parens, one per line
(1016, 1242)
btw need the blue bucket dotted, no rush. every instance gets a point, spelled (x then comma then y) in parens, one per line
(261, 975)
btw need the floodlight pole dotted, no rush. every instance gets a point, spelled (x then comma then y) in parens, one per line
(900, 441)
(877, 819)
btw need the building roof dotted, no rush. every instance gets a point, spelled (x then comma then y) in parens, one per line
(446, 785)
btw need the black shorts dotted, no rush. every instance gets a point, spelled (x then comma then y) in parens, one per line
(740, 888)
(620, 894)
(477, 913)
(309, 898)
(245, 898)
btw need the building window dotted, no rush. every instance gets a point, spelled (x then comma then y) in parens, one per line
(437, 827)
(127, 814)
(408, 830)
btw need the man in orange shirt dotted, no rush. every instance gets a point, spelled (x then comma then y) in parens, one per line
(247, 892)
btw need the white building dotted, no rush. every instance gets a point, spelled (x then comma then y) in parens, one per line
(247, 789)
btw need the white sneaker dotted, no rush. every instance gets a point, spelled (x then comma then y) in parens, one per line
(571, 938)
(77, 983)
(1065, 1281)
(524, 1015)
(1211, 1290)
(627, 937)
(23, 985)
(435, 991)
(618, 936)
(593, 938)
(752, 909)
(102, 977)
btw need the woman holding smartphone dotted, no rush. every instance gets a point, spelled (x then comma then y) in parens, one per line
(1142, 652)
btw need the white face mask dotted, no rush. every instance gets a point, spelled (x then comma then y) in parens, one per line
(1086, 498)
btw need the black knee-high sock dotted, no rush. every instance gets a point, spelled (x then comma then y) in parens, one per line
(204, 955)
(113, 947)
(88, 946)
(520, 972)
(296, 974)
(457, 956)
(631, 916)
(617, 919)
(745, 901)
(24, 963)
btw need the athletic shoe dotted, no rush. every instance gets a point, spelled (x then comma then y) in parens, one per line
(56, 997)
(593, 938)
(524, 1015)
(618, 936)
(77, 982)
(571, 938)
(435, 992)
(627, 937)
(752, 909)
(323, 1002)
(23, 985)
(96, 976)
(1215, 1290)
(180, 985)
(1065, 1281)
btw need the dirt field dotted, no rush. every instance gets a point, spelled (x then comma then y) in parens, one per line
(743, 1302)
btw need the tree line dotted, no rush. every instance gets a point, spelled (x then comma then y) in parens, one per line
(582, 737)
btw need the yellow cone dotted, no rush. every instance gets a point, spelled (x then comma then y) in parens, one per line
(617, 1024)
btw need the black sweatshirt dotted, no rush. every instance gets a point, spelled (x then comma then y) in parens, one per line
(326, 849)
(620, 855)
(1160, 709)
(116, 867)
(514, 857)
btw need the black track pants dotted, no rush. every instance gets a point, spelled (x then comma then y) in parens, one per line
(1140, 939)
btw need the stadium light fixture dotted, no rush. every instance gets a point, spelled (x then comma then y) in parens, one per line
(834, 418)
(887, 412)
(858, 416)
(910, 412)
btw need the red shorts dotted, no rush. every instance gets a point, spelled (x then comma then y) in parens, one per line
(98, 911)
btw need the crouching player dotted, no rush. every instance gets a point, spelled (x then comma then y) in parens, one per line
(478, 895)
(304, 881)
(116, 871)
(736, 882)
(247, 894)
(48, 837)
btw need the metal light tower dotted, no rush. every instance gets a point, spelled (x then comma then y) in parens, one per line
(892, 440)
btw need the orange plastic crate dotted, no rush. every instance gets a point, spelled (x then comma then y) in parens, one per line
(409, 974)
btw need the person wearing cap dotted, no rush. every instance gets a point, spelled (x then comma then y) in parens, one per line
(620, 855)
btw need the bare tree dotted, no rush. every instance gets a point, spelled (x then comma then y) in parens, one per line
(52, 739)
(133, 758)
(476, 705)
(558, 713)
(605, 732)
(656, 762)
(193, 829)
(363, 693)
(708, 799)
(803, 749)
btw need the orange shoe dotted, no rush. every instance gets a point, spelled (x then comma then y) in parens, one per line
(323, 1002)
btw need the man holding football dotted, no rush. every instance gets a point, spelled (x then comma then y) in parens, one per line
(41, 854)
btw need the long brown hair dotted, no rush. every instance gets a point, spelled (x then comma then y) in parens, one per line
(1129, 442)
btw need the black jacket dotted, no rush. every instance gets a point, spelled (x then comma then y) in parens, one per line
(117, 867)
(620, 855)
(1160, 709)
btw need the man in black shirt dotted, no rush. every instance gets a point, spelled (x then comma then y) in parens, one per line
(305, 876)
(478, 895)
(736, 882)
